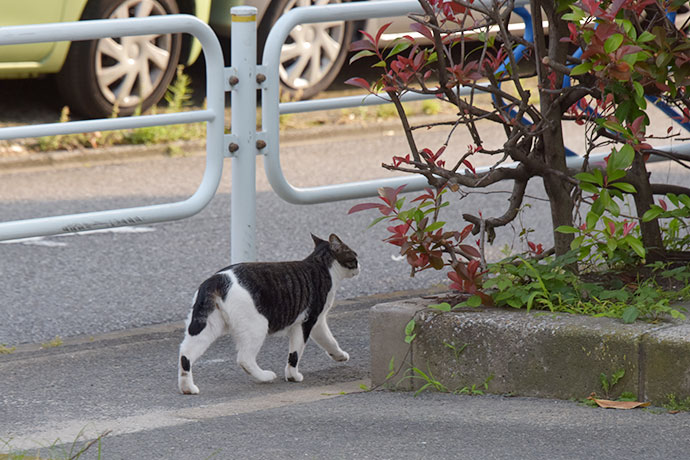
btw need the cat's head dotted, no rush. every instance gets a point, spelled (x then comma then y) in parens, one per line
(344, 256)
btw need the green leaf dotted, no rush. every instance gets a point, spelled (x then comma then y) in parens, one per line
(663, 59)
(377, 220)
(434, 226)
(624, 186)
(613, 43)
(598, 207)
(636, 245)
(621, 159)
(515, 303)
(610, 205)
(577, 242)
(474, 301)
(645, 37)
(627, 396)
(611, 245)
(630, 314)
(409, 328)
(400, 46)
(361, 54)
(614, 126)
(652, 213)
(592, 219)
(592, 177)
(581, 69)
(615, 175)
(685, 200)
(589, 188)
(629, 29)
(530, 299)
(567, 229)
(615, 378)
(444, 306)
(639, 90)
(604, 381)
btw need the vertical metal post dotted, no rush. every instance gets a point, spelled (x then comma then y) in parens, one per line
(243, 126)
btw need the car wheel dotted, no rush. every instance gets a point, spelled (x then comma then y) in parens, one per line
(313, 54)
(120, 74)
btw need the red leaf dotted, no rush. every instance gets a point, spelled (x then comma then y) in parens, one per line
(470, 250)
(469, 166)
(390, 195)
(417, 27)
(360, 82)
(380, 32)
(364, 206)
(465, 231)
(454, 277)
(360, 45)
(472, 267)
(368, 35)
(612, 227)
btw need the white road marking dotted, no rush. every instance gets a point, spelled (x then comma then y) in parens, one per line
(44, 241)
(85, 429)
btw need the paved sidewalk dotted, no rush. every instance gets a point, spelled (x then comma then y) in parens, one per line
(126, 382)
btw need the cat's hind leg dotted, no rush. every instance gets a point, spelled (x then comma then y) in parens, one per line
(298, 335)
(194, 345)
(249, 342)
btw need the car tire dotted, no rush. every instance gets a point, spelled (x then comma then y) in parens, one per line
(120, 75)
(313, 54)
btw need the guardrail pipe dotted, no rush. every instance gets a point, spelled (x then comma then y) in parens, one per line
(271, 101)
(213, 115)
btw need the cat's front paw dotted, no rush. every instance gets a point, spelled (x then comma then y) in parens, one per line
(340, 356)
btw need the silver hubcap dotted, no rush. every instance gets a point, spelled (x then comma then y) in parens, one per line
(310, 50)
(129, 69)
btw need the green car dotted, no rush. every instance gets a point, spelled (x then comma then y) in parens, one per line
(95, 77)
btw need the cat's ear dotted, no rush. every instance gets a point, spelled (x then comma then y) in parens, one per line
(316, 239)
(335, 242)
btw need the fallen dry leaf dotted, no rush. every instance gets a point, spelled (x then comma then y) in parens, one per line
(608, 404)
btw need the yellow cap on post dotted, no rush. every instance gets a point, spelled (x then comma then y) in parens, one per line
(237, 18)
(243, 14)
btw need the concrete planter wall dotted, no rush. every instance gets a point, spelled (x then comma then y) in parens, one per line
(530, 354)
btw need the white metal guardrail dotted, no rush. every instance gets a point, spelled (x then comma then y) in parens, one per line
(213, 115)
(243, 79)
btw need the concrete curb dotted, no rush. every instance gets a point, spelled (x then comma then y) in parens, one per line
(113, 153)
(537, 354)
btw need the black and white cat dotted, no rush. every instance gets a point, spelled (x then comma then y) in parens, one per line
(252, 300)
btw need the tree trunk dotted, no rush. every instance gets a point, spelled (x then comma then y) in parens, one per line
(651, 233)
(553, 148)
(558, 190)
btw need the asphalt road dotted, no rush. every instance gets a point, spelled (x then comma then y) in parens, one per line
(57, 399)
(98, 282)
(113, 280)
